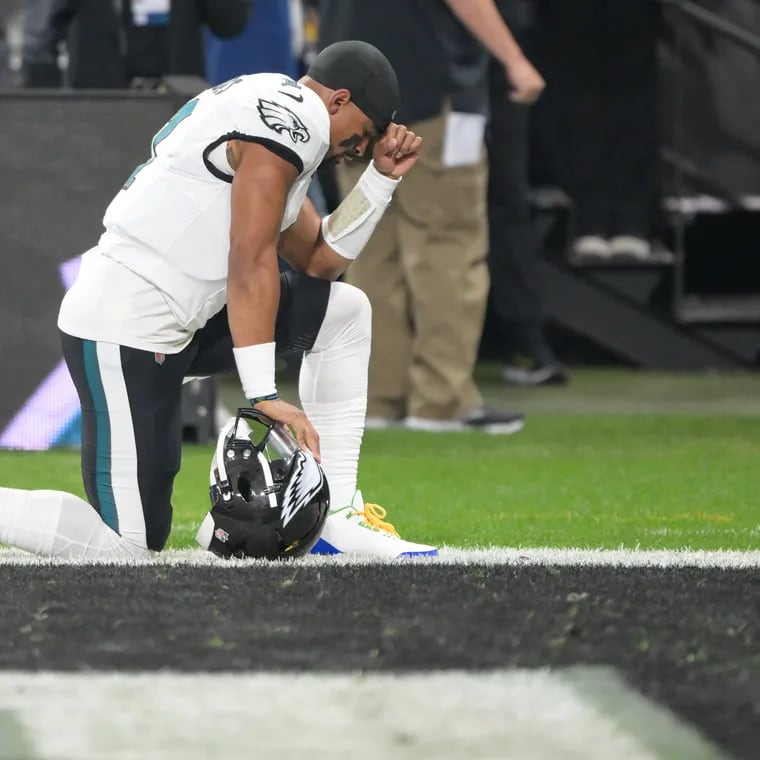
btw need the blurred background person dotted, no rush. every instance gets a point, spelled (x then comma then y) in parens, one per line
(277, 37)
(425, 268)
(121, 43)
(42, 36)
(272, 40)
(600, 56)
(11, 41)
(516, 292)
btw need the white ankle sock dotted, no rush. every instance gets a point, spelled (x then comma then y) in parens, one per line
(59, 524)
(333, 387)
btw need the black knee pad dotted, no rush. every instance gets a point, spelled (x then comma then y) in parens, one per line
(303, 305)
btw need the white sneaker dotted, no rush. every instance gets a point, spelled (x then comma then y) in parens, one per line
(592, 246)
(431, 425)
(484, 419)
(360, 529)
(380, 423)
(631, 246)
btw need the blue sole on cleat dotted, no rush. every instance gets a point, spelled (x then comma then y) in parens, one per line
(322, 547)
(430, 553)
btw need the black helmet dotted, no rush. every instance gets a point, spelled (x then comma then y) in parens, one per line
(268, 497)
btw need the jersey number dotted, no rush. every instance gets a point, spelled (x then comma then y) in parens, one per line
(161, 135)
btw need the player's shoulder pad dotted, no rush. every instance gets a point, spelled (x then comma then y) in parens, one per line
(281, 110)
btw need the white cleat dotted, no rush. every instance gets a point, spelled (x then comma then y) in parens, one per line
(360, 529)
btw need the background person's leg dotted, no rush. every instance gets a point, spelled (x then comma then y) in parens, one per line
(442, 227)
(572, 37)
(631, 96)
(513, 256)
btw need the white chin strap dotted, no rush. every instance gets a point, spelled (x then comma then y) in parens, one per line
(205, 532)
(218, 474)
(217, 477)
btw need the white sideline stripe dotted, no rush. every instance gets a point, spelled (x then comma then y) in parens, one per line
(500, 714)
(665, 735)
(448, 556)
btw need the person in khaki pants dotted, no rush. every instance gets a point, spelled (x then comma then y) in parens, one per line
(424, 269)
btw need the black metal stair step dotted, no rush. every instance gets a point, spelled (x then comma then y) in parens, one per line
(660, 256)
(693, 309)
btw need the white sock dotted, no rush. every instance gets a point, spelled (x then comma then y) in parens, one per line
(59, 524)
(333, 387)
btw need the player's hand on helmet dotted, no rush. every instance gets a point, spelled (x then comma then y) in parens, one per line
(397, 151)
(527, 84)
(296, 418)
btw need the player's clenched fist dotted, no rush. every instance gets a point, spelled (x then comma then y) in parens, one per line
(397, 151)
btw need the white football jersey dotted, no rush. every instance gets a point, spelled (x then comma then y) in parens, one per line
(170, 224)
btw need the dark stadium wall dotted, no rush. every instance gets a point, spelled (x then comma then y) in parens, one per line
(64, 158)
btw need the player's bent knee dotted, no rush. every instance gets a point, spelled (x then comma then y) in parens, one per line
(349, 304)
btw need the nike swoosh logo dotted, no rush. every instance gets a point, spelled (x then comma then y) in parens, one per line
(297, 98)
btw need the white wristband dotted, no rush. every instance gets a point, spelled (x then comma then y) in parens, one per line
(351, 225)
(379, 187)
(255, 365)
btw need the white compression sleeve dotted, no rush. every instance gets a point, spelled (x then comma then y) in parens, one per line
(351, 225)
(59, 524)
(333, 387)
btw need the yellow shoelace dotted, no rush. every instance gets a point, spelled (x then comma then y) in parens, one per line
(374, 515)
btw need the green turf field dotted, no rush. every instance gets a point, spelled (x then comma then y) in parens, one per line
(615, 459)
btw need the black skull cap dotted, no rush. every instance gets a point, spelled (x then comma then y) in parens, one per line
(366, 73)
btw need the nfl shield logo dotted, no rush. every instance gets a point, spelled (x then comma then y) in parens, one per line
(222, 535)
(160, 358)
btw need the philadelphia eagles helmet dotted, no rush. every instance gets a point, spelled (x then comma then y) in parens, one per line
(269, 498)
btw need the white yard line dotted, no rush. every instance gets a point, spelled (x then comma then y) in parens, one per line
(447, 556)
(503, 714)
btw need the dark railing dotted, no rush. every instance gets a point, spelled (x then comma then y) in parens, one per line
(717, 23)
(747, 39)
(684, 168)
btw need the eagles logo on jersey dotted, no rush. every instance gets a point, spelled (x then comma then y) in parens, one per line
(281, 119)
